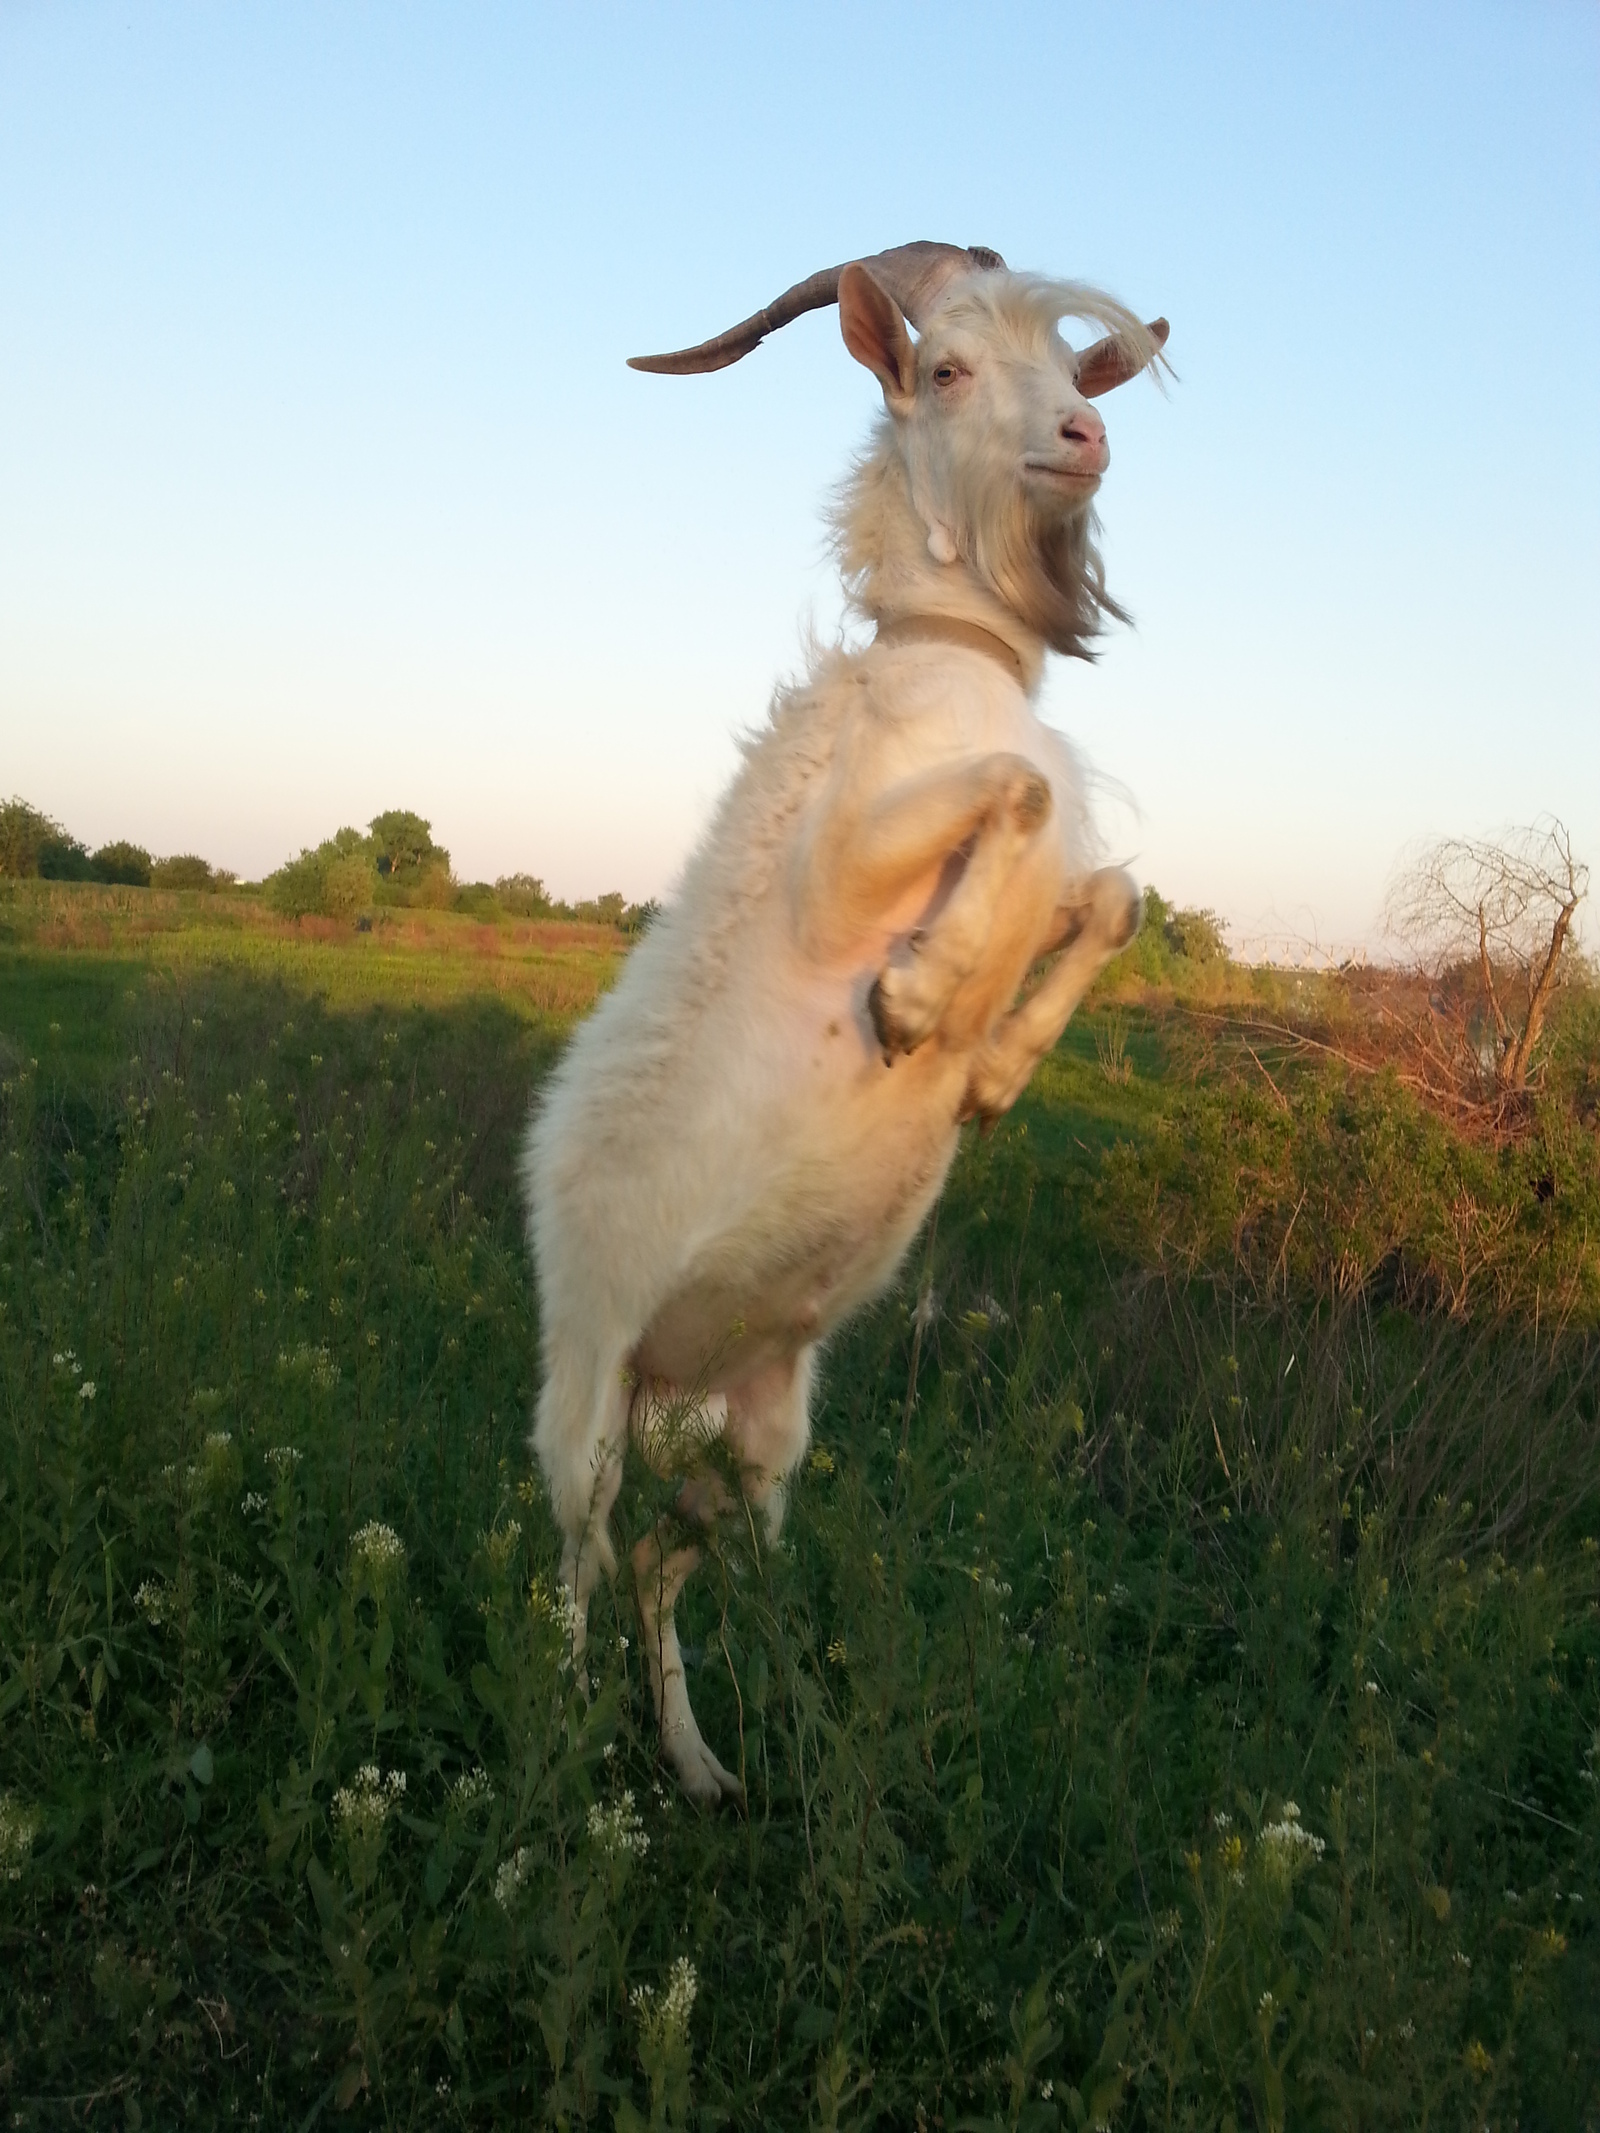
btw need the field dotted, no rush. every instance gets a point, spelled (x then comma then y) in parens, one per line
(1175, 1700)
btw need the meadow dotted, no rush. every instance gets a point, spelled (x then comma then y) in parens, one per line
(1174, 1701)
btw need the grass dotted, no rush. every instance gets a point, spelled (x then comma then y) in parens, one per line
(1175, 1701)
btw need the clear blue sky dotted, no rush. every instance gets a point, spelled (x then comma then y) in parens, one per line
(323, 487)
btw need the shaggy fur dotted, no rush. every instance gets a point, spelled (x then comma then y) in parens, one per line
(743, 1140)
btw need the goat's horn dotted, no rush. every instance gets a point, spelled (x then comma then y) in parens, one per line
(913, 274)
(1107, 363)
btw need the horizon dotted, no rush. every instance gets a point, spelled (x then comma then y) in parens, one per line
(327, 490)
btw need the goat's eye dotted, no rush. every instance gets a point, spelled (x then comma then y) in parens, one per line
(945, 374)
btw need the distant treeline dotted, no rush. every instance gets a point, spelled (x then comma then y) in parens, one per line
(350, 875)
(32, 847)
(354, 874)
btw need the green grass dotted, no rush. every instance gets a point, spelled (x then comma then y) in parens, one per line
(1207, 1491)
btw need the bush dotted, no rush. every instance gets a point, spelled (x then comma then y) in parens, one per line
(1173, 943)
(348, 884)
(186, 871)
(63, 858)
(1198, 935)
(122, 864)
(337, 880)
(524, 896)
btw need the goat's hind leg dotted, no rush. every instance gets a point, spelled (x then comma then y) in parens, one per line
(767, 1427)
(578, 1438)
(671, 1429)
(659, 1577)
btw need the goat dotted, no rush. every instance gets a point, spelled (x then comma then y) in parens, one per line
(743, 1140)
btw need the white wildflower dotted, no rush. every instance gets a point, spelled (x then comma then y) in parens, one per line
(218, 1440)
(379, 1557)
(283, 1459)
(513, 1872)
(617, 1831)
(152, 1600)
(1266, 2003)
(1287, 1846)
(251, 1502)
(666, 2019)
(362, 1807)
(86, 1389)
(19, 1826)
(309, 1360)
(472, 1789)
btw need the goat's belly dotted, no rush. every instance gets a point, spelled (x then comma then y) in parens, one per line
(817, 1210)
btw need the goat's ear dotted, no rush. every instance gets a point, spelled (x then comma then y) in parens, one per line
(1107, 363)
(875, 333)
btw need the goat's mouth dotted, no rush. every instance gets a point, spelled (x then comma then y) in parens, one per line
(1075, 480)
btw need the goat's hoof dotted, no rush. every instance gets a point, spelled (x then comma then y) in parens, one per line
(702, 1777)
(894, 1038)
(1119, 898)
(1031, 802)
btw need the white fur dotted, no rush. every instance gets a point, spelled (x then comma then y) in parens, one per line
(726, 1163)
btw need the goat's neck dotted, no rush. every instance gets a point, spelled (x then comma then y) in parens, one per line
(893, 576)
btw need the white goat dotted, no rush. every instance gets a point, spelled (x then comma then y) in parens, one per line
(743, 1140)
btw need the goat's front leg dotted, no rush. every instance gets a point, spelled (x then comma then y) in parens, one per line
(987, 811)
(1093, 929)
(860, 862)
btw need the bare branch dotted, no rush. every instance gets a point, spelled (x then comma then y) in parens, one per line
(1501, 909)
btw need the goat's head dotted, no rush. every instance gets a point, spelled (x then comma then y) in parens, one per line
(989, 411)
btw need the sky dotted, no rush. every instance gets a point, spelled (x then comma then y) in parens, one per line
(324, 487)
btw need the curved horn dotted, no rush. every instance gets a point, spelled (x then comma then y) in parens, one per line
(1108, 364)
(913, 274)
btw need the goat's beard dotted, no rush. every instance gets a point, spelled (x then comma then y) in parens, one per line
(1045, 566)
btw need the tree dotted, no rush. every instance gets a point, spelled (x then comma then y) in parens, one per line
(24, 833)
(127, 865)
(1496, 914)
(402, 844)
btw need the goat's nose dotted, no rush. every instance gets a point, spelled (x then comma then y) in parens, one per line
(1084, 428)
